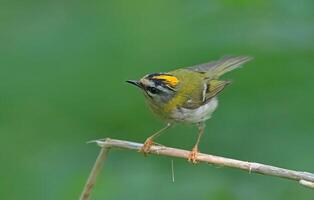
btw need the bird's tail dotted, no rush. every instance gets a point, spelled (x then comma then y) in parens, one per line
(225, 65)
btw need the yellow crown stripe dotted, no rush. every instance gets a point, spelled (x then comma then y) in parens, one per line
(171, 80)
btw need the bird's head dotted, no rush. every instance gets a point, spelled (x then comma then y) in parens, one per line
(158, 88)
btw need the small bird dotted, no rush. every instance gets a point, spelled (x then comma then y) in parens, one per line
(186, 95)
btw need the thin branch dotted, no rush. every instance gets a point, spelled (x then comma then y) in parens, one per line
(304, 178)
(94, 173)
(215, 160)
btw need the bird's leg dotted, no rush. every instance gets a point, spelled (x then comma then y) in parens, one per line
(149, 141)
(193, 154)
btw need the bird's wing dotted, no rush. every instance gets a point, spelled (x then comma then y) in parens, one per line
(213, 88)
(215, 69)
(210, 90)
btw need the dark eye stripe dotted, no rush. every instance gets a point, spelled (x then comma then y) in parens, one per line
(153, 90)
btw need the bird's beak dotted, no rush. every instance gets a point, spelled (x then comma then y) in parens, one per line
(134, 82)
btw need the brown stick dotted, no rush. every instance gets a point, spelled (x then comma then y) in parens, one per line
(304, 178)
(94, 173)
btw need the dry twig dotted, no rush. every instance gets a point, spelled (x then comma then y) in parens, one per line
(94, 173)
(304, 178)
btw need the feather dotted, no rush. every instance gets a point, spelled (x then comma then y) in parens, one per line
(217, 68)
(214, 87)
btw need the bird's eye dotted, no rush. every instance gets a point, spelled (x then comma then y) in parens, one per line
(153, 90)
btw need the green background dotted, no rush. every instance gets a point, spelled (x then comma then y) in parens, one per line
(62, 70)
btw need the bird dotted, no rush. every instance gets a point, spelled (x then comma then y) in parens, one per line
(186, 95)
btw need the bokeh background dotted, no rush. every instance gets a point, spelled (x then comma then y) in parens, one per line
(62, 70)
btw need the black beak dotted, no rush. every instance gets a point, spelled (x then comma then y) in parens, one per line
(136, 83)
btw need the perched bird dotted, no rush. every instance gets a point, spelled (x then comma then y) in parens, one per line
(186, 95)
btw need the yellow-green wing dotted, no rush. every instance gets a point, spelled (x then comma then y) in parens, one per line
(210, 89)
(213, 88)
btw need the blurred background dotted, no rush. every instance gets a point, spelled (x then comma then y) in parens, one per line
(62, 70)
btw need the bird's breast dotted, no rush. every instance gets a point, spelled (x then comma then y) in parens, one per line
(197, 115)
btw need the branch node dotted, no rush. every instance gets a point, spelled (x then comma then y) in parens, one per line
(250, 167)
(104, 143)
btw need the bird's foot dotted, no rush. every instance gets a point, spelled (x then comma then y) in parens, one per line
(193, 155)
(146, 146)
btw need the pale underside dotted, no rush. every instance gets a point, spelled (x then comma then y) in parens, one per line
(197, 115)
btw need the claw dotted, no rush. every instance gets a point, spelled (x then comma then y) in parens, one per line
(146, 147)
(193, 155)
